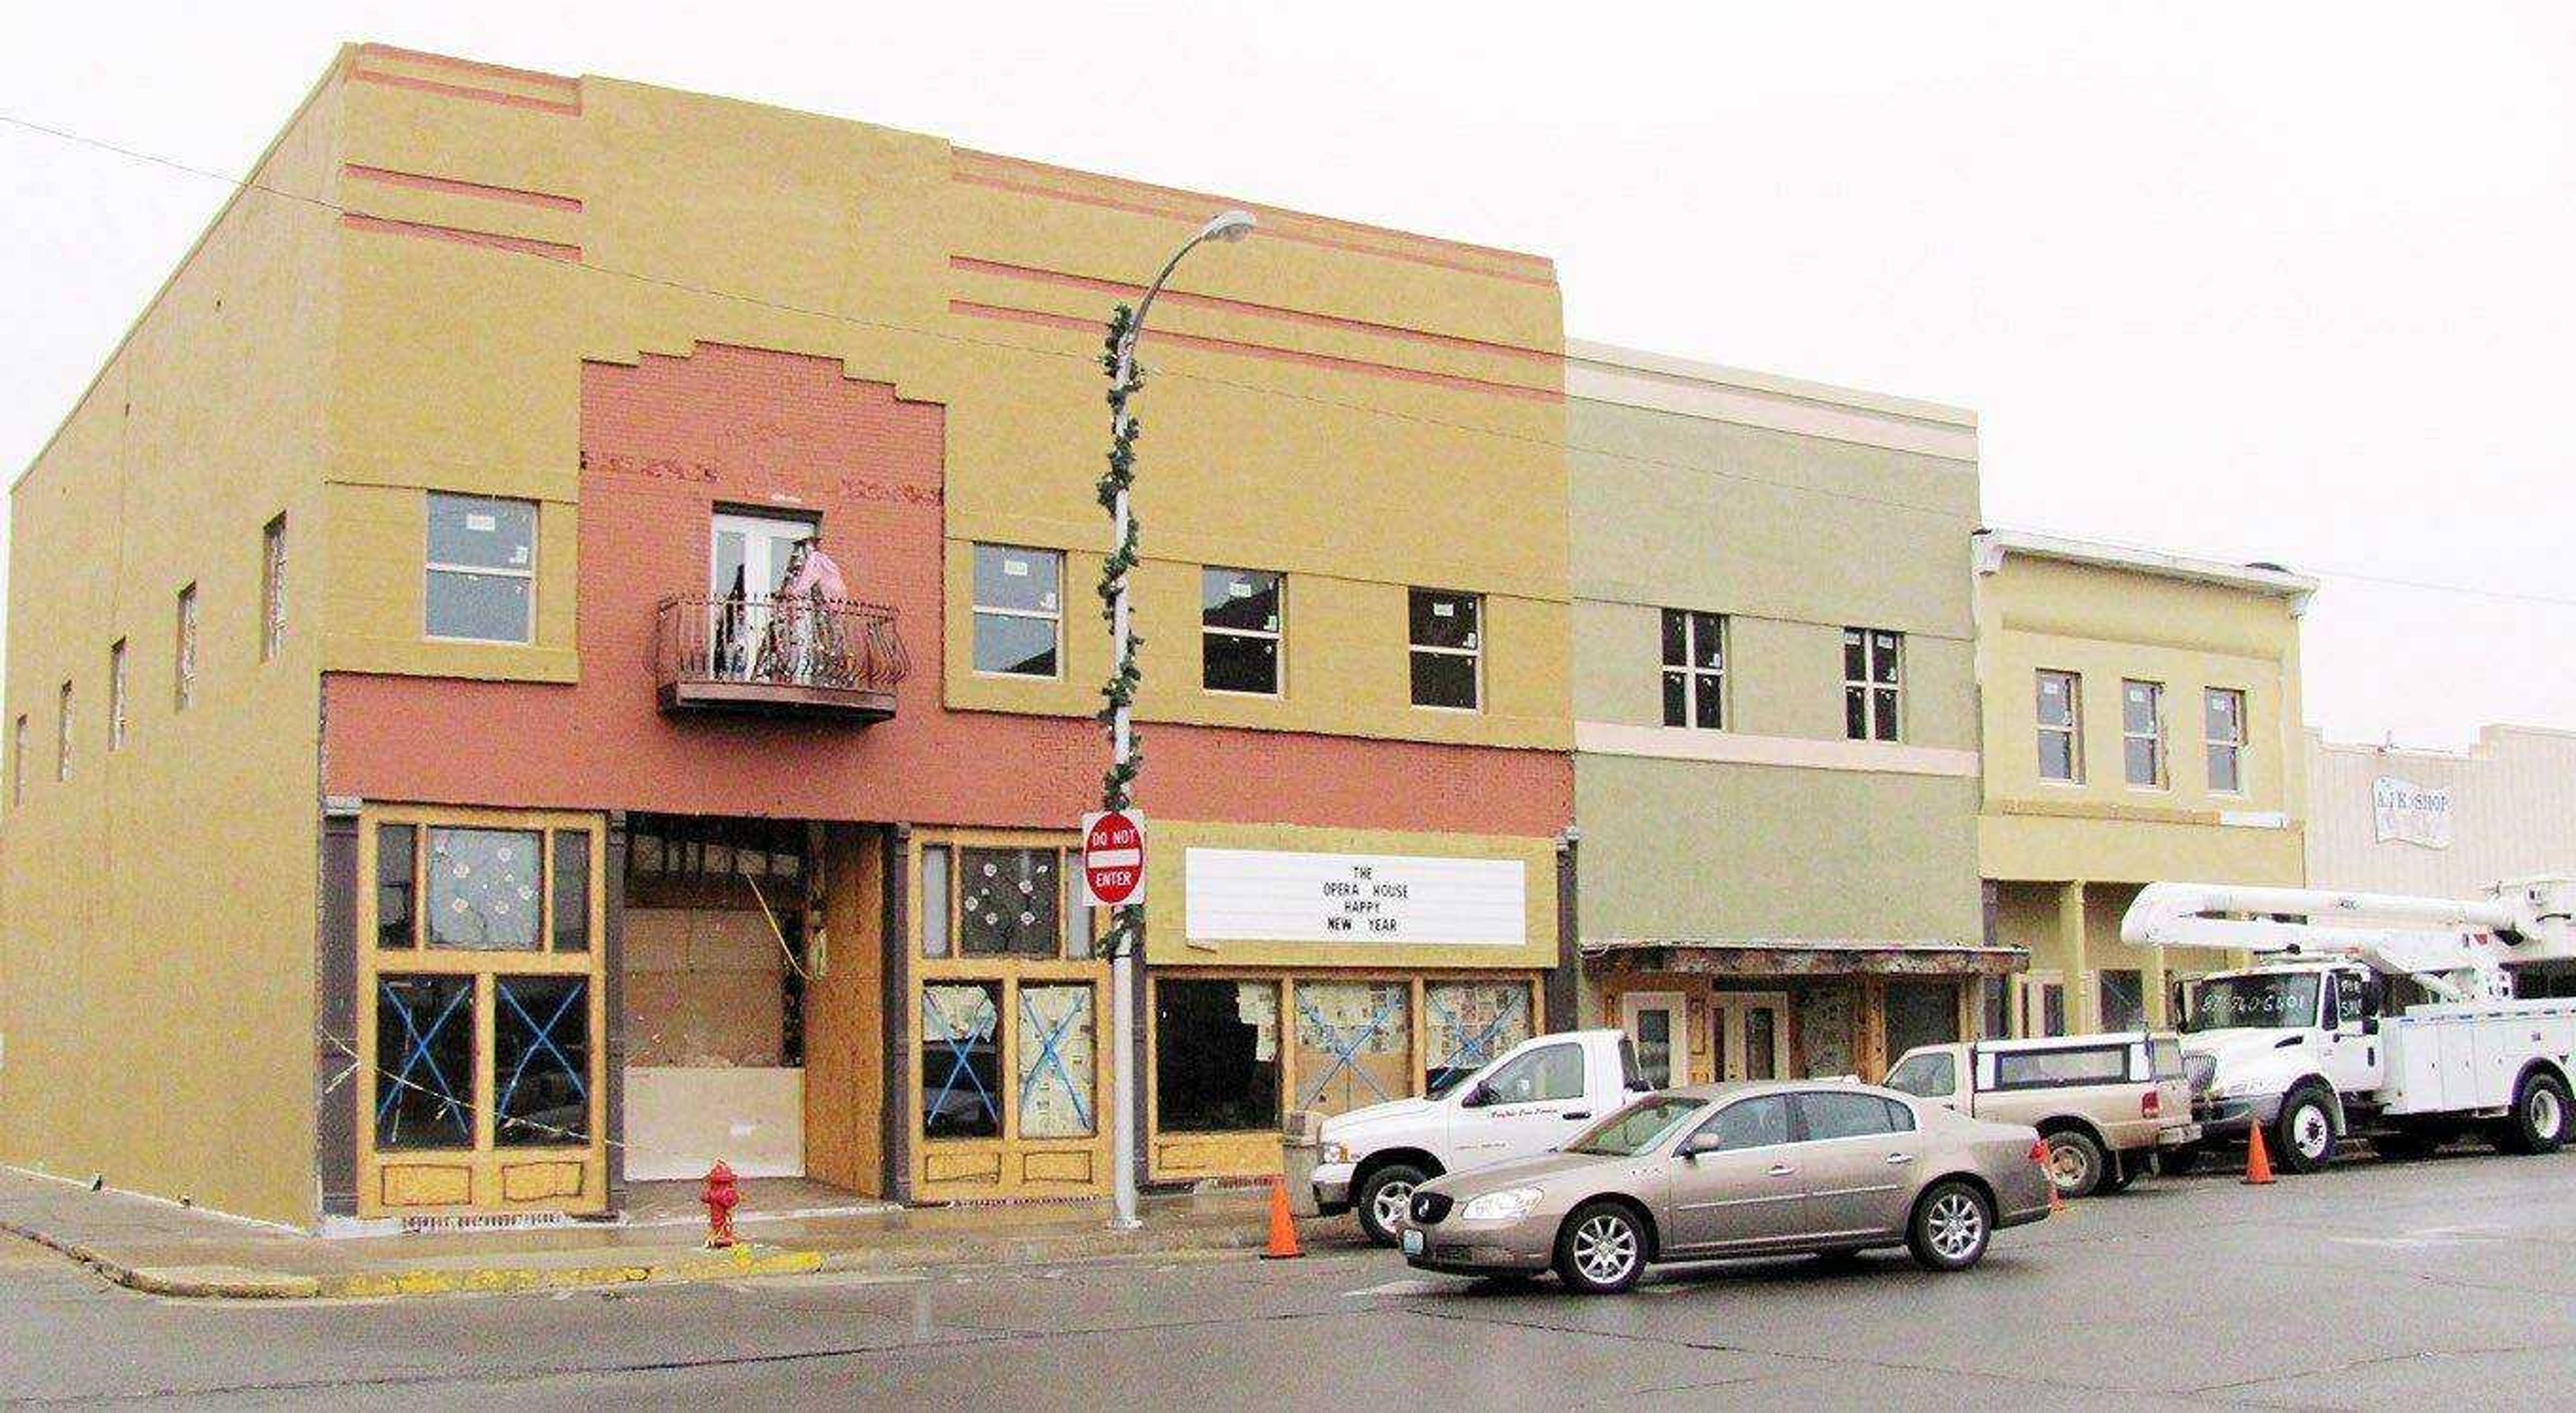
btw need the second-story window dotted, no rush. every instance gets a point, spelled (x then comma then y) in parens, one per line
(183, 663)
(1239, 631)
(116, 695)
(2061, 727)
(2142, 733)
(1019, 610)
(1446, 633)
(1694, 669)
(63, 734)
(272, 589)
(2223, 711)
(1873, 684)
(481, 582)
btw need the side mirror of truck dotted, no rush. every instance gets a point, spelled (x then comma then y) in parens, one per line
(1476, 1097)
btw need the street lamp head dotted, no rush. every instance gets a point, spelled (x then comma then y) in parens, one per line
(1228, 226)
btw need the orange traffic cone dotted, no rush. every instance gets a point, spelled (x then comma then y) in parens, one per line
(1283, 1229)
(2258, 1163)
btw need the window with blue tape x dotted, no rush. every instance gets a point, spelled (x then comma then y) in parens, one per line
(424, 1062)
(1055, 1062)
(961, 1060)
(541, 1062)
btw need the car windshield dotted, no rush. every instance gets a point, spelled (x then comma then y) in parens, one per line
(1638, 1127)
(2265, 1001)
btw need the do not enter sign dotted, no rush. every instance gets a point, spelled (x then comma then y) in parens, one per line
(1113, 858)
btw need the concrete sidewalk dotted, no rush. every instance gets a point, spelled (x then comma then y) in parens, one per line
(159, 1247)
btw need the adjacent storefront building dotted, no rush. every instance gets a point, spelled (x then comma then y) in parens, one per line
(1775, 719)
(2141, 724)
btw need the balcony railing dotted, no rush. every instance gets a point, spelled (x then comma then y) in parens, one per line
(802, 657)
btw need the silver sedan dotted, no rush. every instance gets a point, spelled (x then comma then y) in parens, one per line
(1710, 1172)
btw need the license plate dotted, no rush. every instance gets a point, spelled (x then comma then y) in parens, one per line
(1412, 1242)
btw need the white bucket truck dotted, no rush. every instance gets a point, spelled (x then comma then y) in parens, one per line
(2373, 1014)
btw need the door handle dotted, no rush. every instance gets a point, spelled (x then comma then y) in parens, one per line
(1899, 1158)
(1578, 1114)
(1783, 1169)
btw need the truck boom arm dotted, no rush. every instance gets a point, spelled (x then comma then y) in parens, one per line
(2453, 936)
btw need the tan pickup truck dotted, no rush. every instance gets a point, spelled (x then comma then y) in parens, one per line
(2102, 1103)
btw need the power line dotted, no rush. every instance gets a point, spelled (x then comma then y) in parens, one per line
(707, 291)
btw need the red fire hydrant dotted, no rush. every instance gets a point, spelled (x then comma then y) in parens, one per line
(720, 1197)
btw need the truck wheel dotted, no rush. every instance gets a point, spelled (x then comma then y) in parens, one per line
(2538, 1123)
(1601, 1249)
(2075, 1162)
(1952, 1224)
(1384, 1197)
(2303, 1137)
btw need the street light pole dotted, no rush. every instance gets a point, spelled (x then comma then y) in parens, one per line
(1117, 788)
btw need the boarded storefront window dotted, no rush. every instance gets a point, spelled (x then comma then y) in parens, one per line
(1467, 1023)
(1009, 903)
(1824, 1030)
(1354, 1044)
(1055, 1062)
(541, 1061)
(483, 889)
(424, 1062)
(961, 1060)
(1216, 1060)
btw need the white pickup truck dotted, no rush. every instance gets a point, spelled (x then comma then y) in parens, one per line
(1531, 1098)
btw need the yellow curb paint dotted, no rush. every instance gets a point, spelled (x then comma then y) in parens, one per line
(499, 1279)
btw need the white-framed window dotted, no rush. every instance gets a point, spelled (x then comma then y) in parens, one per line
(1019, 611)
(63, 734)
(272, 588)
(1694, 669)
(481, 583)
(1241, 619)
(116, 695)
(2061, 726)
(2142, 733)
(1445, 630)
(183, 651)
(1873, 684)
(2223, 718)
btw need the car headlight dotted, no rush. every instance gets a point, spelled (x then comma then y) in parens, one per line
(1334, 1152)
(1509, 1205)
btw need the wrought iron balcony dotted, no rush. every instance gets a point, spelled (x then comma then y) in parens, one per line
(786, 657)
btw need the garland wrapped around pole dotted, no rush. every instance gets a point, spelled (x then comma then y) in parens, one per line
(1118, 694)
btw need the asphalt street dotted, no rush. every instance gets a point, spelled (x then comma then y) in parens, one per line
(2374, 1285)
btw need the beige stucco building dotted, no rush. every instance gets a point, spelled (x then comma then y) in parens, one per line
(2142, 723)
(1775, 717)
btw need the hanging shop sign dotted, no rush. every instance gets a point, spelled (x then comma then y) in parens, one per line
(1260, 895)
(1113, 858)
(2407, 813)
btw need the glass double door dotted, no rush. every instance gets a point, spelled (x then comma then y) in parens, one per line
(1747, 1035)
(747, 564)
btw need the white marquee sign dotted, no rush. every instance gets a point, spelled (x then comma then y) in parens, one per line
(2407, 813)
(1256, 895)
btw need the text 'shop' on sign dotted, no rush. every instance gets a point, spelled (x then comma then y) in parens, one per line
(1113, 858)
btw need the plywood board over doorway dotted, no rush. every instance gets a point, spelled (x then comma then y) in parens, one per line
(845, 1017)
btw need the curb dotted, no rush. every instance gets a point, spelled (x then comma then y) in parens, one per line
(249, 1283)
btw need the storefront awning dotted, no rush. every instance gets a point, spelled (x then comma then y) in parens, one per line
(1741, 956)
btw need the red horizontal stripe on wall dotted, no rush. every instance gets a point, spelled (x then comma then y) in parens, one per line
(567, 107)
(1287, 233)
(547, 248)
(973, 310)
(421, 181)
(1242, 306)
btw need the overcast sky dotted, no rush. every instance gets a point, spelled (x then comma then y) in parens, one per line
(2289, 282)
